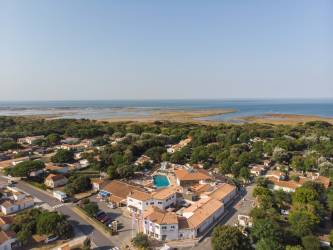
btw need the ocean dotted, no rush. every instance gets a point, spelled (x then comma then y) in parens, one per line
(141, 108)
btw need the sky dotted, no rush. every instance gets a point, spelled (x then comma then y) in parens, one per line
(171, 49)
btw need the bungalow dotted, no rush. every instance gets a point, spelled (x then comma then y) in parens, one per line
(142, 160)
(56, 168)
(7, 240)
(287, 186)
(30, 139)
(179, 146)
(258, 170)
(14, 206)
(55, 180)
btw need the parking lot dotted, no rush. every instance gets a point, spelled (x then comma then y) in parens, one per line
(125, 231)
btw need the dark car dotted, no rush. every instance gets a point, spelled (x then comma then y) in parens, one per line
(100, 217)
(106, 218)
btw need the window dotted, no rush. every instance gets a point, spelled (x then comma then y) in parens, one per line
(158, 227)
(159, 202)
(164, 227)
(173, 227)
(152, 203)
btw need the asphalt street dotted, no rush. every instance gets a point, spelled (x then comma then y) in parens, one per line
(80, 226)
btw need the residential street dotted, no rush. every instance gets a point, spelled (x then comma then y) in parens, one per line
(80, 226)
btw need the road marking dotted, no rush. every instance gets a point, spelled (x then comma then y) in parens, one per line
(57, 206)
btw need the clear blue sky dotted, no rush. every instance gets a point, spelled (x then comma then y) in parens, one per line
(170, 49)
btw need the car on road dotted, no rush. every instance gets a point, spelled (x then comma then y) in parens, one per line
(51, 238)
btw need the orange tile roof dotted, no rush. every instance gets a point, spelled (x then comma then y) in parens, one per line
(164, 193)
(204, 212)
(139, 195)
(286, 184)
(6, 220)
(200, 188)
(4, 236)
(195, 175)
(222, 191)
(55, 177)
(119, 189)
(157, 216)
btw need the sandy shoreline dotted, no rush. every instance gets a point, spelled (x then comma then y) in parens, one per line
(290, 119)
(194, 116)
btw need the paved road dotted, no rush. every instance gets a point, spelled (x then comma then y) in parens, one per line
(80, 226)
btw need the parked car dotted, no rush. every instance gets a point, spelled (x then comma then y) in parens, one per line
(51, 238)
(106, 218)
(100, 215)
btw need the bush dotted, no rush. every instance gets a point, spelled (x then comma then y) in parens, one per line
(141, 241)
(91, 208)
(63, 156)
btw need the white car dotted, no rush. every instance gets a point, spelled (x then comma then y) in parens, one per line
(51, 238)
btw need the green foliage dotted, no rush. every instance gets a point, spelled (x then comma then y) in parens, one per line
(268, 244)
(32, 221)
(229, 238)
(77, 184)
(302, 222)
(23, 169)
(8, 144)
(266, 229)
(91, 208)
(86, 244)
(294, 247)
(311, 242)
(63, 156)
(141, 241)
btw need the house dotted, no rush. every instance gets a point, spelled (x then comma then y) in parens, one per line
(7, 240)
(189, 177)
(142, 160)
(5, 222)
(13, 206)
(258, 170)
(55, 180)
(97, 183)
(287, 186)
(30, 139)
(56, 168)
(160, 225)
(224, 193)
(70, 140)
(179, 146)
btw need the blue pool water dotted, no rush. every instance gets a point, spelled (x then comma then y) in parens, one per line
(161, 181)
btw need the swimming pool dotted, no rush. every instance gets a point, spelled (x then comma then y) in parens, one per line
(161, 181)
